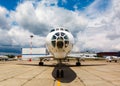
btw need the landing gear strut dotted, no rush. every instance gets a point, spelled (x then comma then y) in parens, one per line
(78, 63)
(59, 71)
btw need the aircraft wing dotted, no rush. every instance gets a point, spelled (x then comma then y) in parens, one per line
(33, 56)
(46, 56)
(75, 56)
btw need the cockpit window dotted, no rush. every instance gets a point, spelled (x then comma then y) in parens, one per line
(66, 43)
(61, 28)
(53, 43)
(66, 37)
(54, 37)
(62, 34)
(60, 38)
(57, 29)
(67, 30)
(52, 30)
(57, 34)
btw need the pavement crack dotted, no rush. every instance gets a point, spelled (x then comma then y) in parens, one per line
(100, 77)
(81, 81)
(14, 76)
(54, 82)
(34, 77)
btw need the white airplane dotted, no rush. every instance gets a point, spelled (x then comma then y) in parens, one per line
(112, 58)
(59, 43)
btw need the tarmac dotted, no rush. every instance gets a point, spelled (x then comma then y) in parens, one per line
(90, 73)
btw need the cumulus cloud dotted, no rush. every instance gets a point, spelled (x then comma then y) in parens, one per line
(21, 37)
(5, 39)
(95, 28)
(102, 32)
(4, 21)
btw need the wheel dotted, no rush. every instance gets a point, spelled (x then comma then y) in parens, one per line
(57, 73)
(78, 63)
(62, 73)
(41, 63)
(115, 60)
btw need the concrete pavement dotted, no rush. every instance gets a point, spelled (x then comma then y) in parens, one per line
(91, 73)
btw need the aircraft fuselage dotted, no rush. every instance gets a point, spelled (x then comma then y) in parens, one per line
(59, 42)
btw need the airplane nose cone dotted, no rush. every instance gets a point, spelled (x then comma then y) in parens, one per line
(60, 44)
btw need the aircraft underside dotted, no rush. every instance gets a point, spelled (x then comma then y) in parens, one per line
(59, 71)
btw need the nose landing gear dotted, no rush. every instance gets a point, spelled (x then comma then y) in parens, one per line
(59, 73)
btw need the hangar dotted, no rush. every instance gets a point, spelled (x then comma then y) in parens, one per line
(28, 53)
(102, 54)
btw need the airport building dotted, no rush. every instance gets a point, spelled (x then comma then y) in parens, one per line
(103, 54)
(33, 53)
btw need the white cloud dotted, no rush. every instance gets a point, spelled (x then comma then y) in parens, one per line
(5, 39)
(103, 29)
(21, 37)
(4, 21)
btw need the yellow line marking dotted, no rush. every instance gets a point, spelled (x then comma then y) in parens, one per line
(58, 82)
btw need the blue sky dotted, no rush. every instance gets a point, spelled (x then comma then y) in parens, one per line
(9, 4)
(74, 4)
(67, 4)
(88, 20)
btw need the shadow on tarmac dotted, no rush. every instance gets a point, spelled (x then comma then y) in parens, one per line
(69, 74)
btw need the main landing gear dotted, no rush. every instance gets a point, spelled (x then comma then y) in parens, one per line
(41, 63)
(78, 63)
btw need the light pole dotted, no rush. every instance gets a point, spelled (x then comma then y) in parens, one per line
(31, 36)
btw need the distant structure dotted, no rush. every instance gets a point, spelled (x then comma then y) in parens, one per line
(83, 54)
(31, 36)
(36, 52)
(103, 54)
(3, 58)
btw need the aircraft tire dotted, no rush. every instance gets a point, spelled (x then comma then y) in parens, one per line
(62, 73)
(40, 63)
(78, 63)
(57, 73)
